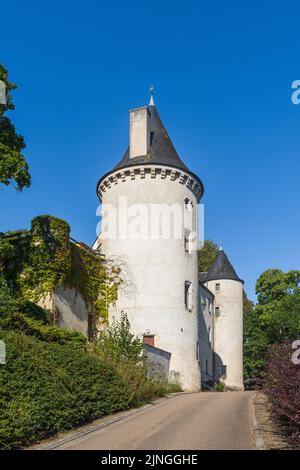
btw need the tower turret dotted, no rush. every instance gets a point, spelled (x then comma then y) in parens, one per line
(150, 199)
(227, 288)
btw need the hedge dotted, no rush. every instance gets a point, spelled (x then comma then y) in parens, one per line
(282, 385)
(51, 387)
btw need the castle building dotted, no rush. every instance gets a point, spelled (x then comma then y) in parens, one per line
(150, 225)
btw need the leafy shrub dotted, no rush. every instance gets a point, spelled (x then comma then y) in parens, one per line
(219, 387)
(282, 385)
(28, 318)
(34, 311)
(39, 260)
(49, 387)
(117, 346)
(116, 343)
(7, 303)
(54, 381)
(50, 333)
(268, 324)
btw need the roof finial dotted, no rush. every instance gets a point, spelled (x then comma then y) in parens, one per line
(151, 90)
(220, 246)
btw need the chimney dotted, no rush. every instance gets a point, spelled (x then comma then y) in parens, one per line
(139, 132)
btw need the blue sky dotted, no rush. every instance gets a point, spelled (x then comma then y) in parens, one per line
(223, 74)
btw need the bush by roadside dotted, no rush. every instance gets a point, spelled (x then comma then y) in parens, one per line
(282, 386)
(53, 380)
(50, 387)
(123, 351)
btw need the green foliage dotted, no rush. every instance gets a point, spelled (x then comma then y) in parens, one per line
(31, 327)
(255, 346)
(48, 387)
(281, 320)
(275, 319)
(7, 303)
(118, 347)
(274, 284)
(248, 305)
(117, 344)
(40, 260)
(31, 319)
(207, 254)
(219, 387)
(53, 385)
(47, 260)
(13, 166)
(34, 311)
(96, 281)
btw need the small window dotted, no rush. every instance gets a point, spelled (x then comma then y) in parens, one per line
(188, 295)
(217, 287)
(224, 371)
(188, 204)
(187, 245)
(217, 311)
(148, 339)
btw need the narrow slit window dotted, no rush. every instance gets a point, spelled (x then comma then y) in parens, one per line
(188, 204)
(187, 244)
(188, 295)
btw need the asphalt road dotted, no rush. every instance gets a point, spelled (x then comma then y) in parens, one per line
(188, 421)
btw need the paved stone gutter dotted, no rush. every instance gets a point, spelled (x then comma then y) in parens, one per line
(60, 439)
(267, 433)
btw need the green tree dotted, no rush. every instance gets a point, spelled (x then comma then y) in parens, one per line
(117, 344)
(207, 254)
(248, 305)
(255, 346)
(274, 284)
(275, 319)
(13, 166)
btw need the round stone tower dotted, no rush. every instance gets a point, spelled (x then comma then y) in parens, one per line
(227, 287)
(149, 227)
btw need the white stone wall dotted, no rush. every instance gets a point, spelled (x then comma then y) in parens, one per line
(228, 332)
(158, 269)
(68, 308)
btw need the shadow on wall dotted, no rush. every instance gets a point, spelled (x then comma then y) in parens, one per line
(212, 368)
(158, 362)
(220, 370)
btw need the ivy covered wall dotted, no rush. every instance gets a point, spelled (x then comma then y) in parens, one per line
(36, 261)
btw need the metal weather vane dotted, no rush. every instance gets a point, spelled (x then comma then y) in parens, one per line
(151, 90)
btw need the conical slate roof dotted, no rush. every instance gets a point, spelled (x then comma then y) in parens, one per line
(221, 268)
(161, 150)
